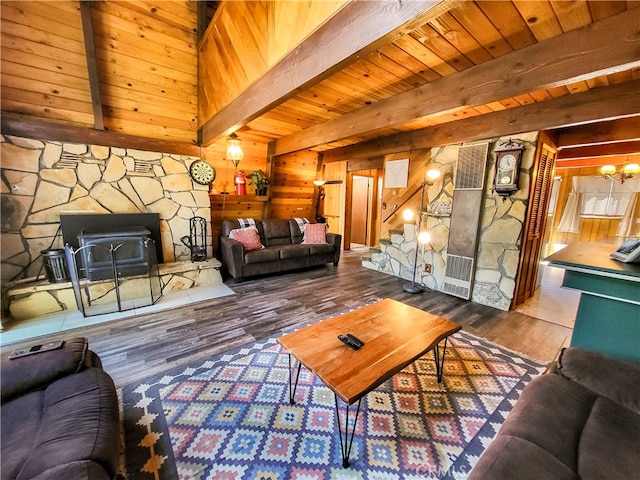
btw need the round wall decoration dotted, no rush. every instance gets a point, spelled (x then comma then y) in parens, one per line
(202, 172)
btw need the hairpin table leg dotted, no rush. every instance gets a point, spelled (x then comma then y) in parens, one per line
(292, 387)
(347, 441)
(440, 362)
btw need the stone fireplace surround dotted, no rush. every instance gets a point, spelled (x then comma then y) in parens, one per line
(43, 179)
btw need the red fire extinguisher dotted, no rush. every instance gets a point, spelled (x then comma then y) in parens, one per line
(239, 179)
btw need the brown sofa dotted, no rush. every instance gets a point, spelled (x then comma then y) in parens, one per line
(283, 250)
(60, 417)
(580, 422)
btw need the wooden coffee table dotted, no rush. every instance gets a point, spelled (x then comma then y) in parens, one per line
(394, 335)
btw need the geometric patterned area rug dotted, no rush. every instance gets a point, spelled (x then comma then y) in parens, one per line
(229, 418)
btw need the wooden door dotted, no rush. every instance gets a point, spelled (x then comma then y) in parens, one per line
(360, 205)
(528, 278)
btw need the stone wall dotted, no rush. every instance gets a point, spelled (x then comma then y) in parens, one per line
(42, 179)
(500, 233)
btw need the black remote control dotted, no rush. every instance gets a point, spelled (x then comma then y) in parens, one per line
(355, 340)
(344, 339)
(351, 341)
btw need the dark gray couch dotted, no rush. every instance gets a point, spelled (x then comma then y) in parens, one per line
(581, 422)
(60, 417)
(283, 250)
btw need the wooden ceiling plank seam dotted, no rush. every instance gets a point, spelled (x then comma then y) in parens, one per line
(46, 88)
(119, 113)
(32, 66)
(401, 57)
(569, 110)
(141, 87)
(441, 48)
(571, 15)
(380, 79)
(47, 101)
(393, 68)
(540, 18)
(413, 47)
(55, 83)
(448, 27)
(144, 27)
(111, 38)
(167, 103)
(134, 68)
(28, 47)
(149, 108)
(45, 112)
(525, 70)
(254, 62)
(357, 29)
(92, 64)
(41, 21)
(473, 19)
(159, 12)
(40, 37)
(508, 21)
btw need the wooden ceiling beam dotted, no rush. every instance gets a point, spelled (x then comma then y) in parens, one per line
(356, 30)
(603, 150)
(622, 130)
(564, 59)
(20, 126)
(92, 63)
(569, 110)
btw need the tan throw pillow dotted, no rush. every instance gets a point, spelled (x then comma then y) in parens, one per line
(315, 233)
(248, 237)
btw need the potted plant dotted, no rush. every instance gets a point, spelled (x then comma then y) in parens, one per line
(259, 181)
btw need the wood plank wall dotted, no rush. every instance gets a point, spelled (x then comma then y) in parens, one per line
(147, 58)
(600, 230)
(244, 39)
(292, 191)
(146, 55)
(44, 70)
(396, 197)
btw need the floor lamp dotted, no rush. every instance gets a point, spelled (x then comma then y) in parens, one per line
(421, 237)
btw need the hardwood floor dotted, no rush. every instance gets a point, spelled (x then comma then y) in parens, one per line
(134, 348)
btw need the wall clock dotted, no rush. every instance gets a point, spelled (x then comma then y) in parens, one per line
(202, 172)
(508, 157)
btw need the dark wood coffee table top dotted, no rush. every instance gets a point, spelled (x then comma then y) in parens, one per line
(394, 335)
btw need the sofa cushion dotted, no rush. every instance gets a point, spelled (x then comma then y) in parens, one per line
(248, 237)
(74, 419)
(265, 255)
(276, 232)
(315, 233)
(321, 248)
(24, 374)
(603, 375)
(294, 251)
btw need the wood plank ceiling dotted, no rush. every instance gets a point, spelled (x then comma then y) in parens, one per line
(510, 56)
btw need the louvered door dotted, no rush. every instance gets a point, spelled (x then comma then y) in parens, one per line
(528, 279)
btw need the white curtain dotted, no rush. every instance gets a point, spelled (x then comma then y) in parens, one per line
(570, 221)
(629, 227)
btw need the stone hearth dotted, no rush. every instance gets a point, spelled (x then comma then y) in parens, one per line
(37, 298)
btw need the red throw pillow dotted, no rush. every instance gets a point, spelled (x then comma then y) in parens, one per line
(315, 233)
(248, 237)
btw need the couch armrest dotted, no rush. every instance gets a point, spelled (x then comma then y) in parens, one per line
(232, 253)
(617, 380)
(335, 239)
(32, 372)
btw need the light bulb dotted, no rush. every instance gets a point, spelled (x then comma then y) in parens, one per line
(407, 214)
(424, 237)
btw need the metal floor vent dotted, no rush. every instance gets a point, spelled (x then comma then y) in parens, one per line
(458, 275)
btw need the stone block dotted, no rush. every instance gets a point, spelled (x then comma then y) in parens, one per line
(34, 305)
(19, 158)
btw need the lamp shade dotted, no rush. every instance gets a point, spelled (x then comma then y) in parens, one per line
(234, 149)
(407, 215)
(631, 169)
(608, 170)
(432, 175)
(424, 237)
